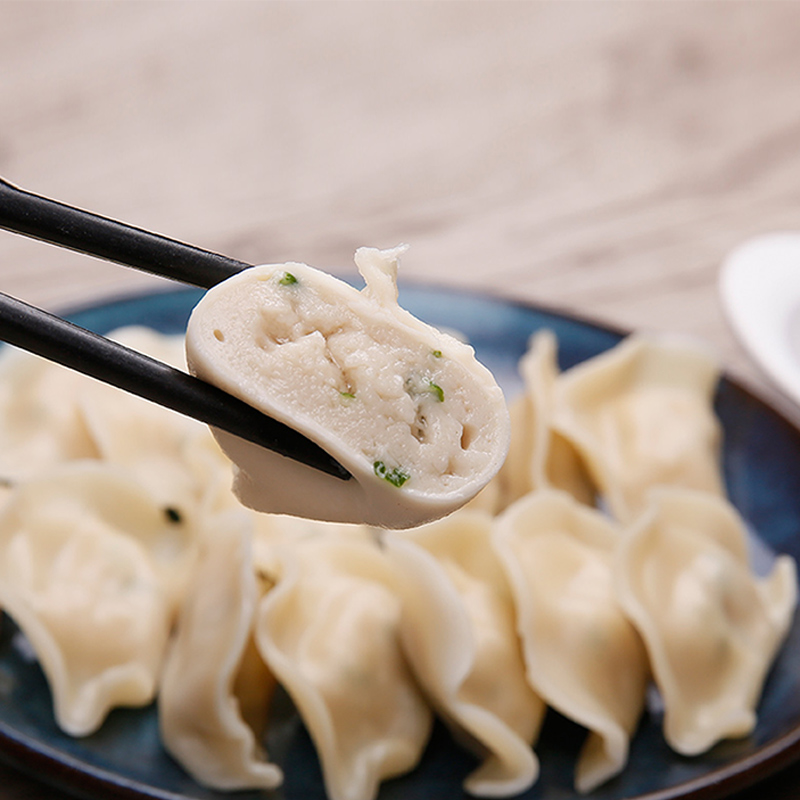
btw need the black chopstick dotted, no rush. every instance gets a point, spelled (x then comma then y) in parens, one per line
(39, 218)
(72, 346)
(58, 340)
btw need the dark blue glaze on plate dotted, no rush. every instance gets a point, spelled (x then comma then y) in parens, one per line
(762, 469)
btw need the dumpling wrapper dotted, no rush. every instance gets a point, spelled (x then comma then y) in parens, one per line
(40, 421)
(711, 627)
(583, 656)
(641, 415)
(459, 631)
(329, 632)
(51, 415)
(539, 456)
(406, 409)
(155, 444)
(84, 554)
(215, 688)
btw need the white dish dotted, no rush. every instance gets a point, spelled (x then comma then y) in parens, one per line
(760, 290)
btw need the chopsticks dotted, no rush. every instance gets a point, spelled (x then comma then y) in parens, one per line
(39, 218)
(61, 341)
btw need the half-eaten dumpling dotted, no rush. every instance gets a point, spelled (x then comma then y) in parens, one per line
(406, 409)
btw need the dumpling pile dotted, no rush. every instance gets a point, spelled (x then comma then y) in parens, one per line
(627, 563)
(602, 561)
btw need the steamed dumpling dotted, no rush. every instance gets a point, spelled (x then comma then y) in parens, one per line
(583, 656)
(711, 627)
(458, 628)
(215, 689)
(407, 410)
(329, 632)
(642, 415)
(85, 556)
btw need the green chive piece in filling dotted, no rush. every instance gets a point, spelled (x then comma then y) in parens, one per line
(437, 390)
(397, 476)
(288, 279)
(417, 386)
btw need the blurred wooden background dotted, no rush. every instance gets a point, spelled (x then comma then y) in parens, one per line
(601, 157)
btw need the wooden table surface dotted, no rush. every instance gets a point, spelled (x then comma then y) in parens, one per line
(600, 157)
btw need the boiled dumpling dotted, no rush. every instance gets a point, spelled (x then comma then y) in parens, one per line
(458, 628)
(539, 456)
(215, 690)
(408, 411)
(153, 443)
(329, 632)
(583, 657)
(642, 415)
(84, 557)
(711, 627)
(40, 422)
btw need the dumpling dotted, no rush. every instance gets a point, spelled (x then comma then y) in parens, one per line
(40, 423)
(540, 457)
(711, 627)
(407, 410)
(641, 415)
(210, 473)
(459, 631)
(84, 554)
(329, 632)
(583, 656)
(215, 688)
(153, 443)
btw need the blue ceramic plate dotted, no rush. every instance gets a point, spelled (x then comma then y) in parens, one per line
(124, 759)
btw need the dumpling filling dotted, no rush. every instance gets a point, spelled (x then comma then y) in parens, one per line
(408, 410)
